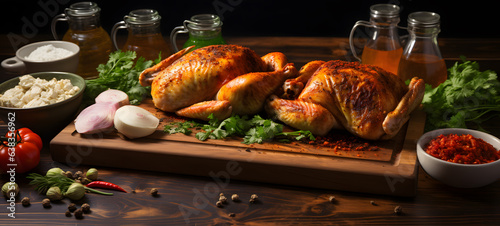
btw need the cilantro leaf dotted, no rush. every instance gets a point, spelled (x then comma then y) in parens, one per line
(122, 73)
(254, 130)
(464, 98)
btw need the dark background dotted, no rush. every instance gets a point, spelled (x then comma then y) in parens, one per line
(471, 19)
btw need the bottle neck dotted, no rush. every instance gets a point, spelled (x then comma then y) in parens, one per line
(143, 29)
(424, 31)
(204, 34)
(385, 33)
(84, 23)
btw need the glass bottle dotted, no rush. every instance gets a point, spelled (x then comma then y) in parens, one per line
(144, 34)
(85, 30)
(421, 57)
(383, 47)
(203, 29)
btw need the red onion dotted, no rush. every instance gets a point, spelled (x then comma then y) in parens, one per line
(113, 95)
(96, 118)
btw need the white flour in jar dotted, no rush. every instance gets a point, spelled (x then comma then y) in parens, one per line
(48, 53)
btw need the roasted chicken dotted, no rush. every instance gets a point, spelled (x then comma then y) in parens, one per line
(219, 80)
(366, 100)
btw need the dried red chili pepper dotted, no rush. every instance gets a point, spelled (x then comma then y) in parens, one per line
(103, 184)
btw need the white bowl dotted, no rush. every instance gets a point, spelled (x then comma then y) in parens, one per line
(458, 174)
(19, 63)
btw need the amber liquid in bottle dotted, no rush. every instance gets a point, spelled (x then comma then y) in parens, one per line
(95, 47)
(386, 59)
(428, 67)
(148, 46)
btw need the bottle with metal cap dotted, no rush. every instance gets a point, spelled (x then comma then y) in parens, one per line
(383, 46)
(144, 34)
(421, 56)
(85, 30)
(203, 29)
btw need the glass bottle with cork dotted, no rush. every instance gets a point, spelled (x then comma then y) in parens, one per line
(203, 29)
(421, 57)
(144, 34)
(383, 47)
(85, 30)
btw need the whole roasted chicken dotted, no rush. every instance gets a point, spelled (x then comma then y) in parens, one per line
(366, 100)
(219, 80)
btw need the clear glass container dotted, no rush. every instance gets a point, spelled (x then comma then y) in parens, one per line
(144, 34)
(85, 30)
(203, 29)
(422, 57)
(383, 47)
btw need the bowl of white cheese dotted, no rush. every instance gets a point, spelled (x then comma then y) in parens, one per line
(44, 56)
(45, 102)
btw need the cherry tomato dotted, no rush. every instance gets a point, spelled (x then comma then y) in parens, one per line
(20, 151)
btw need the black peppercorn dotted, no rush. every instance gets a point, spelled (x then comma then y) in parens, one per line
(25, 201)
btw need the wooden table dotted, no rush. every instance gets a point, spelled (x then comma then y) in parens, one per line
(191, 200)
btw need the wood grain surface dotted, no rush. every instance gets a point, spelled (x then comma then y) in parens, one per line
(296, 163)
(190, 200)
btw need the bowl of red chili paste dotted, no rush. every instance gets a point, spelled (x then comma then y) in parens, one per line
(462, 158)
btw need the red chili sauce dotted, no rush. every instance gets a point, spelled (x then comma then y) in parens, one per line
(464, 149)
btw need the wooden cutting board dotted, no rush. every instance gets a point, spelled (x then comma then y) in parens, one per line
(389, 167)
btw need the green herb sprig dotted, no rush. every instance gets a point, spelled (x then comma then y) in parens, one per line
(254, 130)
(122, 73)
(466, 97)
(43, 183)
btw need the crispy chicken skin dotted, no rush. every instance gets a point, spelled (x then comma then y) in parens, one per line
(183, 80)
(187, 83)
(366, 100)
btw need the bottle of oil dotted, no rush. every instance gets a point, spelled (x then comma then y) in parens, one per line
(203, 29)
(383, 47)
(144, 34)
(421, 57)
(85, 30)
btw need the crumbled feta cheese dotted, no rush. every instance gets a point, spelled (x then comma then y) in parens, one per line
(35, 92)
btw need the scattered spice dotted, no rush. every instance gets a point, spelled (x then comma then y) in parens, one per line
(79, 214)
(343, 142)
(398, 210)
(253, 198)
(464, 148)
(25, 201)
(235, 198)
(223, 199)
(72, 207)
(69, 174)
(219, 204)
(331, 198)
(67, 213)
(86, 208)
(46, 203)
(231, 214)
(78, 175)
(154, 192)
(85, 181)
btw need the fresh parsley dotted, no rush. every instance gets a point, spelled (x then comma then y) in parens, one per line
(254, 130)
(465, 98)
(120, 72)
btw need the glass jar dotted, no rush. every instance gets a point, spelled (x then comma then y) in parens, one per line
(203, 29)
(85, 30)
(421, 57)
(383, 47)
(144, 34)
